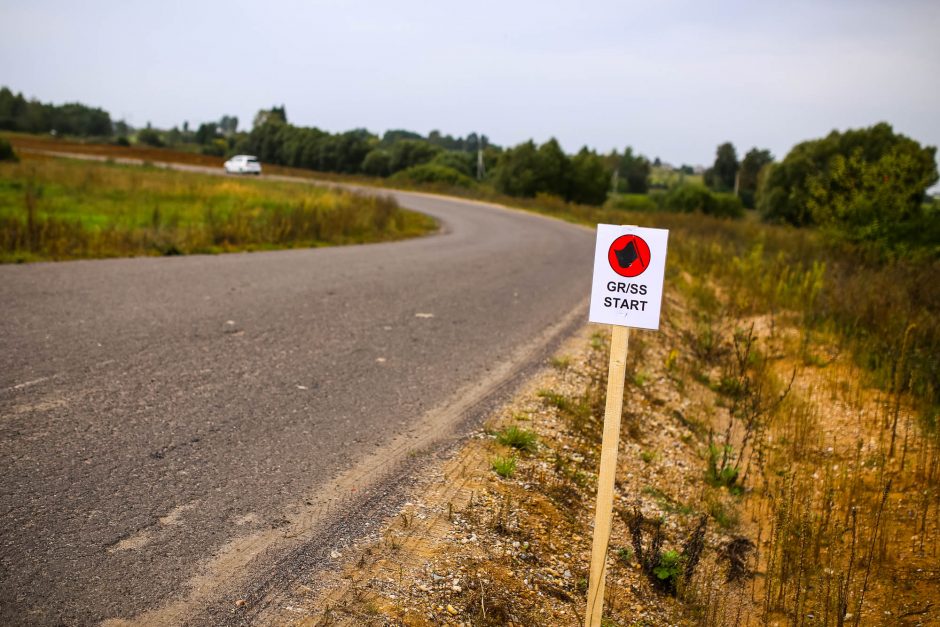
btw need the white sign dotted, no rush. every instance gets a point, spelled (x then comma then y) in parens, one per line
(629, 264)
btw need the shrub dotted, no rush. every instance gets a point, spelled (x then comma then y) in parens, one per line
(726, 206)
(408, 153)
(463, 162)
(692, 198)
(6, 151)
(865, 185)
(669, 567)
(377, 163)
(149, 137)
(215, 148)
(431, 173)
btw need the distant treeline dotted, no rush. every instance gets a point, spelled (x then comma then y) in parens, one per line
(866, 185)
(31, 116)
(525, 170)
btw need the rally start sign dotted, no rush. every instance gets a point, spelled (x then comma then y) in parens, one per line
(629, 265)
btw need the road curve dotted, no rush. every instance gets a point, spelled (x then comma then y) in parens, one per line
(177, 430)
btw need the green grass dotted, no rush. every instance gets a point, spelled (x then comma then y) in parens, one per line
(660, 177)
(559, 401)
(69, 209)
(519, 439)
(504, 466)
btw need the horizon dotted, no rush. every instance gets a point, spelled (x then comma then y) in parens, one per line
(672, 81)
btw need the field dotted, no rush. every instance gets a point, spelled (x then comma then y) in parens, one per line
(65, 209)
(660, 177)
(25, 144)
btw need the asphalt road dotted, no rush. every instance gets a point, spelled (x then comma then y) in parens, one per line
(174, 431)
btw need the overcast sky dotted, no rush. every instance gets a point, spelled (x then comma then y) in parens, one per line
(672, 79)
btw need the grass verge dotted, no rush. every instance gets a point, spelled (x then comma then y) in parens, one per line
(54, 209)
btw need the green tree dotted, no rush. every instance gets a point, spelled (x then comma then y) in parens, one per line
(377, 163)
(32, 116)
(463, 162)
(589, 178)
(751, 166)
(634, 172)
(396, 135)
(553, 167)
(526, 170)
(173, 137)
(406, 153)
(206, 132)
(720, 177)
(517, 171)
(229, 123)
(867, 184)
(149, 137)
(274, 114)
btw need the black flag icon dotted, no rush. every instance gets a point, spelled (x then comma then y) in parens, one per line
(627, 256)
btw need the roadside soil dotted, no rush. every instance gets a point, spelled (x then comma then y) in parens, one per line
(472, 547)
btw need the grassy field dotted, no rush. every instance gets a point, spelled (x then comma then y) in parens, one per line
(26, 143)
(660, 177)
(63, 209)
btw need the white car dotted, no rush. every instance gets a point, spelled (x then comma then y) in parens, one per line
(243, 164)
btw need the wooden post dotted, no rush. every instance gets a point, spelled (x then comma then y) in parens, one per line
(605, 480)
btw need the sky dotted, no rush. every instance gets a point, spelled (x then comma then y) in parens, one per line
(672, 79)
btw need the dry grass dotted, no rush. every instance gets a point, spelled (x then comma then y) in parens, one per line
(63, 209)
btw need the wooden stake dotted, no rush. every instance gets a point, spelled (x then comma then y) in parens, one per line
(605, 480)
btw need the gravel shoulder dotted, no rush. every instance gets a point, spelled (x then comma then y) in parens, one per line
(472, 547)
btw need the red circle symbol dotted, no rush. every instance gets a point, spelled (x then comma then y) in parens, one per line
(629, 255)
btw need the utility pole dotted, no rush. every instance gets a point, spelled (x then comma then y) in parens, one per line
(481, 168)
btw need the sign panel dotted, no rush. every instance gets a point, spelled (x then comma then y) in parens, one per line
(629, 265)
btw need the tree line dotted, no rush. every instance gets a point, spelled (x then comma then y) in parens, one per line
(865, 184)
(31, 116)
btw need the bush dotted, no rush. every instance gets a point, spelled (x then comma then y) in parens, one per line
(726, 206)
(631, 202)
(122, 141)
(6, 151)
(377, 163)
(149, 137)
(431, 173)
(698, 198)
(408, 153)
(215, 148)
(463, 162)
(866, 185)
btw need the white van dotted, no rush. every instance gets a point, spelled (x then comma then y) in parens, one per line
(243, 164)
